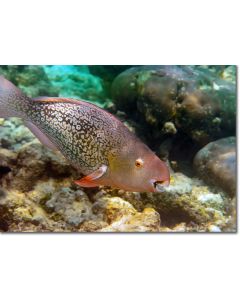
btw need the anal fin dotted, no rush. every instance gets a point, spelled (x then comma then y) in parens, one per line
(41, 136)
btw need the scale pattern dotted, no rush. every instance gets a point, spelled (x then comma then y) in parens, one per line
(84, 133)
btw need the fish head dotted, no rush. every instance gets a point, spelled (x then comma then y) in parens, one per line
(136, 168)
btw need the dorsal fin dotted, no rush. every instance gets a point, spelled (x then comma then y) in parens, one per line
(74, 101)
(65, 100)
(58, 100)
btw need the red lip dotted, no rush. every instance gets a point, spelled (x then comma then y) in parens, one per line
(159, 185)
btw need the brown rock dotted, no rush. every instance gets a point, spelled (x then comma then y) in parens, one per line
(216, 164)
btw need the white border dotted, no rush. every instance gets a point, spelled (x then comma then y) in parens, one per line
(123, 266)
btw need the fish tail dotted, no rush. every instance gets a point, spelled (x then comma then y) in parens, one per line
(13, 103)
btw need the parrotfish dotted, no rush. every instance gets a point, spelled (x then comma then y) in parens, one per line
(99, 145)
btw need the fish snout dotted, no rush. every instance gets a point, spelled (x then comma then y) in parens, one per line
(159, 185)
(159, 176)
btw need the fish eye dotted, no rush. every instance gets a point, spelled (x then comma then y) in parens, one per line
(139, 163)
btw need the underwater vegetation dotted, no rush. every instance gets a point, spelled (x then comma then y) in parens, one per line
(185, 114)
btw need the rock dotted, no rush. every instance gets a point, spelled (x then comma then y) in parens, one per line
(123, 217)
(73, 206)
(32, 163)
(37, 194)
(113, 208)
(107, 74)
(54, 204)
(216, 164)
(180, 184)
(180, 228)
(214, 228)
(170, 128)
(14, 134)
(51, 207)
(187, 201)
(195, 100)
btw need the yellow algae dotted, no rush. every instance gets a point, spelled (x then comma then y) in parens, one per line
(23, 213)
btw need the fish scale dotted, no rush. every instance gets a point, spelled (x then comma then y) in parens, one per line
(85, 139)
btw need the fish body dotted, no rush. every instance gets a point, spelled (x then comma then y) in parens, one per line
(93, 140)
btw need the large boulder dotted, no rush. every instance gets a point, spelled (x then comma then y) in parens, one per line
(197, 101)
(216, 164)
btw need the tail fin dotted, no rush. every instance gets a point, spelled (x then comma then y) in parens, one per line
(13, 103)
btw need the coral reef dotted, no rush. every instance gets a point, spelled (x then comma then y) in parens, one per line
(176, 110)
(38, 194)
(31, 79)
(62, 81)
(76, 82)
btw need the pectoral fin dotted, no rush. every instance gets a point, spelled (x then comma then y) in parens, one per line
(91, 179)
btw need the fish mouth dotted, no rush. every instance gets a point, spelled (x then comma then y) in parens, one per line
(159, 185)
